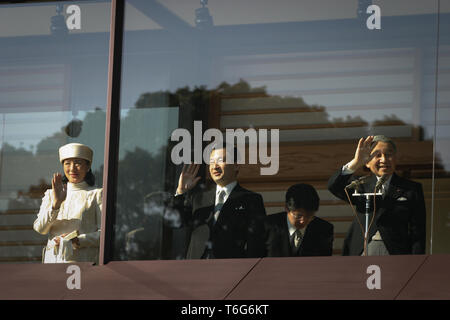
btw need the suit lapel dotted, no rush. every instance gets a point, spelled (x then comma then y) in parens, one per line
(284, 236)
(290, 242)
(394, 191)
(306, 236)
(207, 204)
(228, 205)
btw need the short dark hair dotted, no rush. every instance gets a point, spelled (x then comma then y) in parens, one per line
(302, 196)
(227, 147)
(89, 178)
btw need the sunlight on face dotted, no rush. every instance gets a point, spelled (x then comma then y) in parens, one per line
(75, 169)
(383, 160)
(221, 172)
(300, 218)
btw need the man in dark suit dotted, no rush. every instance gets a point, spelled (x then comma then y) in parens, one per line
(400, 218)
(297, 232)
(227, 220)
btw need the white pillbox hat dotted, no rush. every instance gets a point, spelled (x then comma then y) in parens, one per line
(75, 150)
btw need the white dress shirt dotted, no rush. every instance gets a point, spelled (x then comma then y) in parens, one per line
(292, 228)
(227, 189)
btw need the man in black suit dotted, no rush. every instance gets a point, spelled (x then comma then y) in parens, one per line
(400, 218)
(297, 232)
(227, 221)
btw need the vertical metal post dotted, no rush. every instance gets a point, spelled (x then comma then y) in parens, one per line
(112, 132)
(366, 233)
(436, 105)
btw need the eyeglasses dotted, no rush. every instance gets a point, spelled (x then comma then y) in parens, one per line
(378, 154)
(218, 161)
(307, 215)
(298, 216)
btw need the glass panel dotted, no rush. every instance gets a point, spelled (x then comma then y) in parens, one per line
(52, 91)
(322, 74)
(441, 214)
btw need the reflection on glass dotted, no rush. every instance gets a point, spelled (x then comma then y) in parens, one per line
(143, 176)
(52, 92)
(70, 213)
(441, 214)
(320, 76)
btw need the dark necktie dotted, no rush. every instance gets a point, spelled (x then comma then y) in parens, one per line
(219, 205)
(296, 239)
(208, 254)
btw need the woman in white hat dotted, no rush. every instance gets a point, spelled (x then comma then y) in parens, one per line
(70, 212)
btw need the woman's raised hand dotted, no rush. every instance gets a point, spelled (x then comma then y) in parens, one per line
(59, 190)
